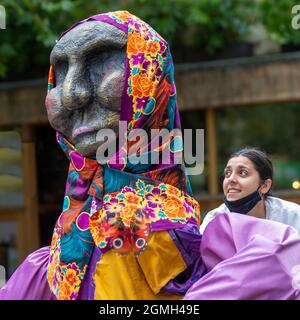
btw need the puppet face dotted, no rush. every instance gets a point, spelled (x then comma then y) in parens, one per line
(89, 65)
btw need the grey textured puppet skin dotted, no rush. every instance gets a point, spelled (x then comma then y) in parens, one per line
(89, 65)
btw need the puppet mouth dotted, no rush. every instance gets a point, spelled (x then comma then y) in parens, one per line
(81, 130)
(86, 143)
(87, 140)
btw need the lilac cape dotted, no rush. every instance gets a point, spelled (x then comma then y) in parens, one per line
(246, 258)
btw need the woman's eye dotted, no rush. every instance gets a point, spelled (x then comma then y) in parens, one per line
(243, 173)
(227, 174)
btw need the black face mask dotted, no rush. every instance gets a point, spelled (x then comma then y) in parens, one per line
(245, 204)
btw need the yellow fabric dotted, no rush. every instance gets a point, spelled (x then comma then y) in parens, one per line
(139, 278)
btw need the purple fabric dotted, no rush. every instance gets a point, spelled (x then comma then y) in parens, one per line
(29, 281)
(248, 259)
(162, 225)
(187, 240)
(87, 289)
(104, 18)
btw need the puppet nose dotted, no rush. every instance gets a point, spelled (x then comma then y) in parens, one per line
(76, 92)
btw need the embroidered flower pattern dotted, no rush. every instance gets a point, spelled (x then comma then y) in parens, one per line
(65, 279)
(155, 203)
(155, 198)
(113, 205)
(174, 207)
(145, 56)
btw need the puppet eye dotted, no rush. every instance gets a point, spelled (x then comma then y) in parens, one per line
(117, 243)
(140, 243)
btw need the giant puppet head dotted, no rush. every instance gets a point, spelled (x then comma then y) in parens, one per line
(88, 62)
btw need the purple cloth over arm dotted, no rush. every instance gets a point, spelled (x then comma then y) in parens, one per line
(29, 281)
(248, 259)
(187, 240)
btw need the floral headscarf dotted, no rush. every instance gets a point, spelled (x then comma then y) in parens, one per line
(119, 205)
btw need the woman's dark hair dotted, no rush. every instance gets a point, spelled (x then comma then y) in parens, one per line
(260, 160)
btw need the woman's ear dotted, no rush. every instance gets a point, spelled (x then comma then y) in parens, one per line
(266, 186)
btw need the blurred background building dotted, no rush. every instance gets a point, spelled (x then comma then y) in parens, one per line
(237, 75)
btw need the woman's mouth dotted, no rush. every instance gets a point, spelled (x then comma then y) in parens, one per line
(233, 190)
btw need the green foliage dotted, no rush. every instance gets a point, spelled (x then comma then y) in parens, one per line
(213, 23)
(277, 16)
(208, 24)
(34, 25)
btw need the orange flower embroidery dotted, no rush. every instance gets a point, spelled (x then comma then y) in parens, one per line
(127, 213)
(153, 48)
(98, 227)
(123, 15)
(142, 85)
(135, 44)
(174, 208)
(174, 191)
(54, 241)
(132, 198)
(65, 291)
(51, 271)
(72, 277)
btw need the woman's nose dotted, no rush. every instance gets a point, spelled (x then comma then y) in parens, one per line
(231, 178)
(76, 92)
